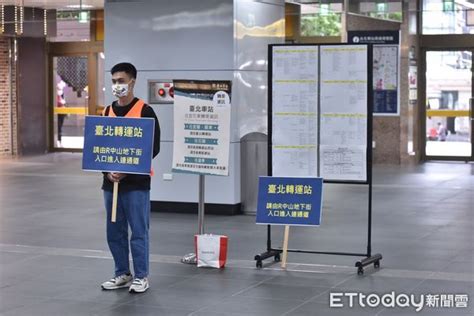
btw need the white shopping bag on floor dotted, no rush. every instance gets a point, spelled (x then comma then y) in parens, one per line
(211, 250)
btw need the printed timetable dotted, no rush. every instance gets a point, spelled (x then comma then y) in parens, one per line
(344, 96)
(319, 104)
(295, 109)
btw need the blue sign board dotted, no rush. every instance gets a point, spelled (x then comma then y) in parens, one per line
(385, 101)
(118, 144)
(289, 201)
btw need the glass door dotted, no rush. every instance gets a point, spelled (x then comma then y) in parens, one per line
(448, 119)
(70, 100)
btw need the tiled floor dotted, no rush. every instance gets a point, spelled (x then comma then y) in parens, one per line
(53, 253)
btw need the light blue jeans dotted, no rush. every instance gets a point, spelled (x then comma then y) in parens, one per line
(133, 208)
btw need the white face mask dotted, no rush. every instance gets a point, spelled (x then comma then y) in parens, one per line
(120, 90)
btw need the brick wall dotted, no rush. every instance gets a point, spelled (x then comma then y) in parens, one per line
(6, 129)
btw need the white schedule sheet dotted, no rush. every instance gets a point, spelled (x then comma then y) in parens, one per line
(343, 162)
(295, 161)
(295, 110)
(344, 95)
(344, 79)
(295, 62)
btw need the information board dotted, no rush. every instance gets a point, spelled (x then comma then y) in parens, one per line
(385, 68)
(385, 80)
(202, 127)
(319, 111)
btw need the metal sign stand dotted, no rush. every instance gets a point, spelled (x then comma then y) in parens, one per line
(191, 257)
(368, 260)
(369, 257)
(201, 204)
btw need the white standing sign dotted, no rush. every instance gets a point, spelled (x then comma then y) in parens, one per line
(202, 127)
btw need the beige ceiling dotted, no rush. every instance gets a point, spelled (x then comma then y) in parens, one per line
(56, 4)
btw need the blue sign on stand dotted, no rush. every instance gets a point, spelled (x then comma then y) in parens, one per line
(289, 201)
(118, 144)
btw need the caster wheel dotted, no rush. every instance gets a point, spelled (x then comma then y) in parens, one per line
(377, 264)
(360, 271)
(277, 258)
(259, 264)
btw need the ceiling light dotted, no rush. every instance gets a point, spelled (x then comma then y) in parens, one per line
(382, 7)
(16, 20)
(45, 22)
(83, 17)
(3, 18)
(324, 9)
(22, 18)
(78, 6)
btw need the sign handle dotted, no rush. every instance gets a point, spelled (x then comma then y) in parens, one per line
(114, 202)
(285, 246)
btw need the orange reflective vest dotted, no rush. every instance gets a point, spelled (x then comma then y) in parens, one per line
(135, 111)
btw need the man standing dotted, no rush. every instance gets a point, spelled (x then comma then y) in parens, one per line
(442, 132)
(133, 203)
(60, 103)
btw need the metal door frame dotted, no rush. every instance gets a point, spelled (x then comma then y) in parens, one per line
(454, 42)
(90, 50)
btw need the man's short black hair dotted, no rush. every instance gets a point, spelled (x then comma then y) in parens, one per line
(128, 68)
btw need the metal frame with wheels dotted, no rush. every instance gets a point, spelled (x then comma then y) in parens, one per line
(369, 257)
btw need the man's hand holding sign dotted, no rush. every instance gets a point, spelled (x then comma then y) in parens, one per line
(115, 176)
